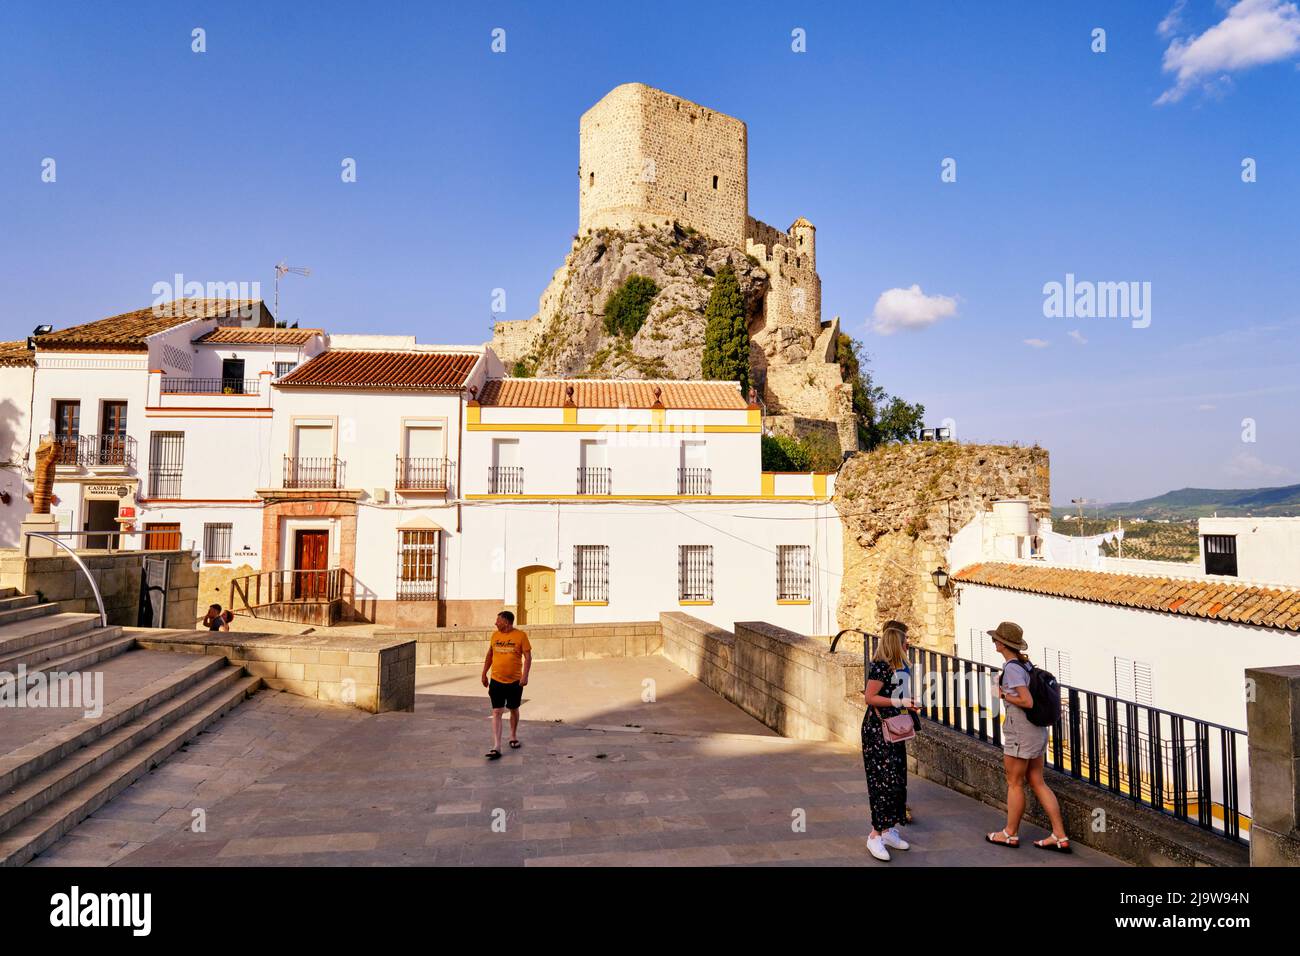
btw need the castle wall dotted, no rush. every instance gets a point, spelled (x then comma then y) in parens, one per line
(646, 155)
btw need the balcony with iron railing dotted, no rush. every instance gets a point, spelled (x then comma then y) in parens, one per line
(695, 481)
(324, 472)
(595, 481)
(94, 451)
(432, 475)
(178, 385)
(505, 480)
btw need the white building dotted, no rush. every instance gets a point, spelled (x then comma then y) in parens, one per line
(615, 500)
(17, 370)
(1158, 633)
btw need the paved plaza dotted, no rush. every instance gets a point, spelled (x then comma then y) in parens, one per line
(604, 778)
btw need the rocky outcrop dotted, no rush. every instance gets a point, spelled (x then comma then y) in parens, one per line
(900, 506)
(567, 337)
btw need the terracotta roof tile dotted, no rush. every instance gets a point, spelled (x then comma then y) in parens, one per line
(594, 393)
(403, 371)
(1216, 600)
(238, 335)
(127, 332)
(16, 354)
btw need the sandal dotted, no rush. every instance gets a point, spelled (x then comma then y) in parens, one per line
(1055, 844)
(515, 745)
(493, 754)
(1008, 841)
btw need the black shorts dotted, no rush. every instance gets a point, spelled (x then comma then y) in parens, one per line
(505, 695)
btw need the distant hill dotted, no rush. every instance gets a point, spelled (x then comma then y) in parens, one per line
(1188, 503)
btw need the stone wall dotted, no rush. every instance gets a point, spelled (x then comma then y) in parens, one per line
(551, 642)
(900, 505)
(367, 673)
(58, 580)
(648, 156)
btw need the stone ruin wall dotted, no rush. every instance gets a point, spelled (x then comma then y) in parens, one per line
(647, 156)
(900, 504)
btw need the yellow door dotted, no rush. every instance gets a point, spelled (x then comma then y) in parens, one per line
(536, 596)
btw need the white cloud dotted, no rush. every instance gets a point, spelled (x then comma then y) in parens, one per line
(1248, 467)
(899, 309)
(1205, 408)
(1173, 21)
(1077, 336)
(1252, 33)
(1037, 343)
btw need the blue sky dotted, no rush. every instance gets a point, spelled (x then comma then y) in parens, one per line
(220, 164)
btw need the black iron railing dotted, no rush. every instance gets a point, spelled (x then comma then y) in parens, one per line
(266, 588)
(594, 481)
(1183, 766)
(313, 472)
(90, 451)
(695, 481)
(177, 385)
(505, 480)
(423, 474)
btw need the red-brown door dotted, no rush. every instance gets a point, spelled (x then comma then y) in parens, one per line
(311, 560)
(162, 536)
(112, 434)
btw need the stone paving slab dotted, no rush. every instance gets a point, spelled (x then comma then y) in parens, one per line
(415, 789)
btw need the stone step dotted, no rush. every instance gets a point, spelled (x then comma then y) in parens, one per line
(34, 609)
(8, 592)
(72, 793)
(67, 654)
(24, 635)
(41, 754)
(15, 601)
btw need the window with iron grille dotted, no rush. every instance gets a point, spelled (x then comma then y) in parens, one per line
(695, 572)
(793, 572)
(284, 368)
(216, 542)
(1221, 554)
(417, 565)
(166, 456)
(591, 572)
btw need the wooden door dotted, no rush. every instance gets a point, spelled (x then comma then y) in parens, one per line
(162, 536)
(112, 434)
(311, 561)
(536, 596)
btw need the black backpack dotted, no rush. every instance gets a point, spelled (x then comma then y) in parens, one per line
(1046, 692)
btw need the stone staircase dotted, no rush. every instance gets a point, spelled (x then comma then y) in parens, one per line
(57, 765)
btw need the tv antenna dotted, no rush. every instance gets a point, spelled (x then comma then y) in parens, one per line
(1081, 502)
(283, 270)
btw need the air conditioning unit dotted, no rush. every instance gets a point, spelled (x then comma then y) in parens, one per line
(380, 495)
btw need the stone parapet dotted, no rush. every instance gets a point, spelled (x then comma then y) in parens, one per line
(551, 642)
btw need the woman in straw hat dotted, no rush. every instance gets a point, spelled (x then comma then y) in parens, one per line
(888, 694)
(1023, 744)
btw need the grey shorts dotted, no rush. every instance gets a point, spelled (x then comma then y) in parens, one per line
(1022, 739)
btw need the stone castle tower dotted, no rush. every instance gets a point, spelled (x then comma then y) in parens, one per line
(648, 158)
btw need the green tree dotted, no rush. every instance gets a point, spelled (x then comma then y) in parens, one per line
(628, 305)
(726, 336)
(882, 418)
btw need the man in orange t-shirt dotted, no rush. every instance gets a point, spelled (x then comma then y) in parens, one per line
(509, 659)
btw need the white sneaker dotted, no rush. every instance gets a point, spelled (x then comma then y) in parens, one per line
(877, 848)
(892, 839)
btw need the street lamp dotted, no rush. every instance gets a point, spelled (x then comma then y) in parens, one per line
(940, 577)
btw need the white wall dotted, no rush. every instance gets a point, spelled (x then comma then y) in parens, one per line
(1268, 549)
(499, 538)
(15, 433)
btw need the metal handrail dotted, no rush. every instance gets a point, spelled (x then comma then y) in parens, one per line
(51, 536)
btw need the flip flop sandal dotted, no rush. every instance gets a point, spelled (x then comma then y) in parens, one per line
(1008, 841)
(1055, 845)
(515, 745)
(493, 755)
